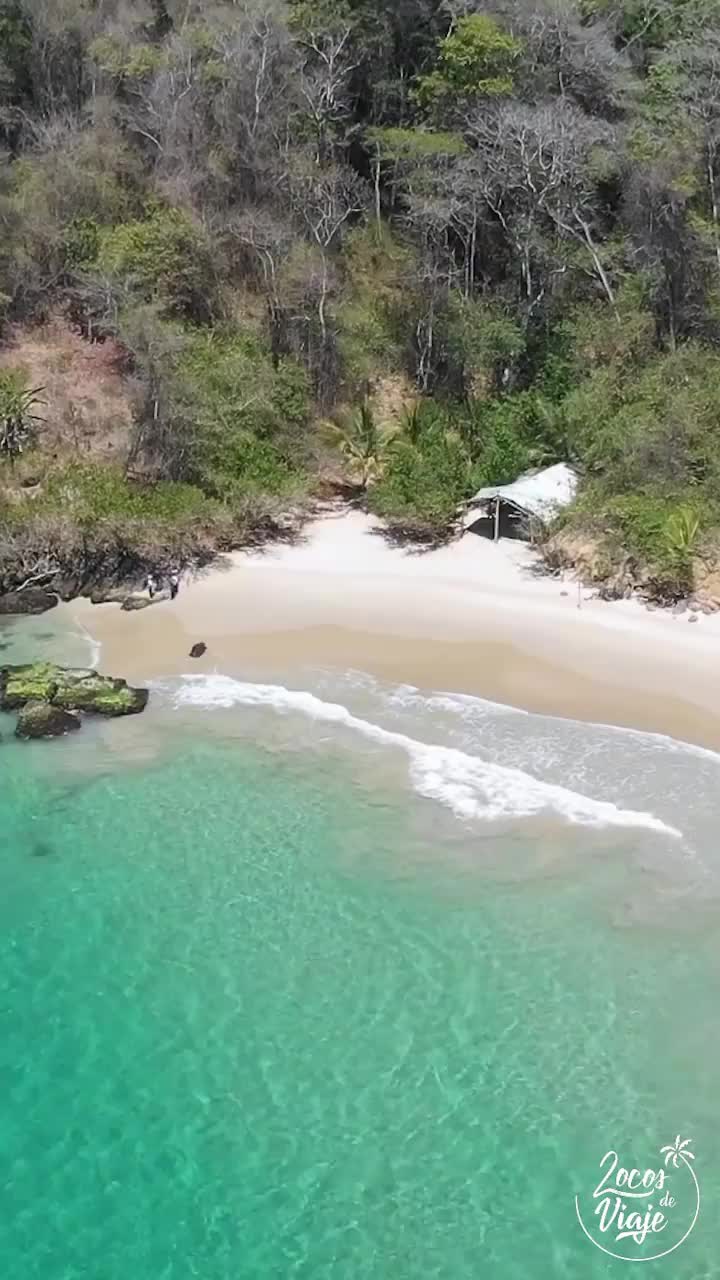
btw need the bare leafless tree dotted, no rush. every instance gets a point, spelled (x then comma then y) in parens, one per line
(325, 201)
(536, 171)
(326, 65)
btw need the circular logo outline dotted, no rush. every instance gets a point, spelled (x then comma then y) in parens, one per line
(675, 1153)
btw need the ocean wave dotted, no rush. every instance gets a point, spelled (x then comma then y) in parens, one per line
(471, 787)
(93, 644)
(468, 703)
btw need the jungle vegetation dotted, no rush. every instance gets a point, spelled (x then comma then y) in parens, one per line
(508, 214)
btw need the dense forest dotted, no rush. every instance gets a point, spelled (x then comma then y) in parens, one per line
(251, 249)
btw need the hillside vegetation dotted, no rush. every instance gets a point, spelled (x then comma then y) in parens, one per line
(250, 247)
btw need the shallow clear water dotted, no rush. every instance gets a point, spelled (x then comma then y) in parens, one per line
(271, 1006)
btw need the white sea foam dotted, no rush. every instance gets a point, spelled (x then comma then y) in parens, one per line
(94, 645)
(468, 705)
(472, 788)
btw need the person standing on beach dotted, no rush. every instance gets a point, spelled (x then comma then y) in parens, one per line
(151, 585)
(174, 585)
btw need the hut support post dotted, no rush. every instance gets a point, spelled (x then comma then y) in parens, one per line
(496, 533)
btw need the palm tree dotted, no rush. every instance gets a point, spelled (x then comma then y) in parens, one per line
(362, 442)
(421, 417)
(17, 420)
(681, 531)
(676, 1153)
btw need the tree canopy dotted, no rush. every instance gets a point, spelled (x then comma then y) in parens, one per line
(510, 209)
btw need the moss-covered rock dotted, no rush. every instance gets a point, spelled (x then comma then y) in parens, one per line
(32, 682)
(42, 720)
(70, 689)
(101, 695)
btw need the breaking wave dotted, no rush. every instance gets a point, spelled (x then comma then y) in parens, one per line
(469, 786)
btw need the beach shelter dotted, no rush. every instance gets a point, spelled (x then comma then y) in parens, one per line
(511, 510)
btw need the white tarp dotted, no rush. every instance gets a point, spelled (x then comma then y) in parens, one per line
(539, 493)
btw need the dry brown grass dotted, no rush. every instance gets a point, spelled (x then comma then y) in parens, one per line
(392, 396)
(87, 409)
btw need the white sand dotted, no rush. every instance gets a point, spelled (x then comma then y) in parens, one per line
(507, 575)
(471, 616)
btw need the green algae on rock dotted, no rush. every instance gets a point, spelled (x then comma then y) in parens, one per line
(30, 682)
(69, 689)
(102, 695)
(43, 720)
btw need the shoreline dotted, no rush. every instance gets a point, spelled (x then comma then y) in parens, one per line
(473, 617)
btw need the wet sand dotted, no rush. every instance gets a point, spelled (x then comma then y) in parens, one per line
(471, 618)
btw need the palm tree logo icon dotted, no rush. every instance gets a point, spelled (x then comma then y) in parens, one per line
(676, 1153)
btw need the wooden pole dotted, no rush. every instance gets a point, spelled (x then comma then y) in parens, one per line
(497, 520)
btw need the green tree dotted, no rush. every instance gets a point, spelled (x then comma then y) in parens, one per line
(421, 487)
(475, 60)
(164, 256)
(362, 442)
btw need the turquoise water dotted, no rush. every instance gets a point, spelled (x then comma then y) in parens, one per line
(268, 1010)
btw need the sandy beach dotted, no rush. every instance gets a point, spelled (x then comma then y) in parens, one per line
(472, 617)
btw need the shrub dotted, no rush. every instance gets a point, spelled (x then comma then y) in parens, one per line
(164, 255)
(481, 341)
(421, 487)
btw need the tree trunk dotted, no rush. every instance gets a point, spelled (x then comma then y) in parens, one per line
(602, 274)
(713, 201)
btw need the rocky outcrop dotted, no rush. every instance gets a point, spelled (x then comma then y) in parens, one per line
(42, 720)
(132, 603)
(619, 576)
(100, 695)
(198, 649)
(34, 682)
(31, 600)
(110, 595)
(66, 690)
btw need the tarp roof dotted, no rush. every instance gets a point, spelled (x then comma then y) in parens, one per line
(539, 493)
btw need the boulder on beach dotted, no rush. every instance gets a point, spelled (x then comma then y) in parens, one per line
(31, 600)
(43, 720)
(198, 649)
(110, 595)
(131, 603)
(69, 689)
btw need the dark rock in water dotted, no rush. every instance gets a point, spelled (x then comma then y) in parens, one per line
(198, 649)
(31, 600)
(101, 695)
(32, 682)
(41, 849)
(131, 603)
(70, 689)
(42, 720)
